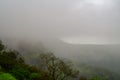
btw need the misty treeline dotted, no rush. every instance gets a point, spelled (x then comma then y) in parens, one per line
(48, 67)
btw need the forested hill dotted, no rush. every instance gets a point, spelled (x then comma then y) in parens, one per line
(45, 66)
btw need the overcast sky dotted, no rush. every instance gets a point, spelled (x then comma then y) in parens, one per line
(72, 21)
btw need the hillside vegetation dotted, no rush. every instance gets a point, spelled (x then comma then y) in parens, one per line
(48, 67)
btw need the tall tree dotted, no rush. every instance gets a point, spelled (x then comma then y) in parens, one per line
(8, 58)
(56, 68)
(1, 46)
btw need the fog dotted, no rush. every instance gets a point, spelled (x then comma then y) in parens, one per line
(81, 30)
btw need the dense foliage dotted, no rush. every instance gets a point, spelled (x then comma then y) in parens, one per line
(6, 76)
(49, 67)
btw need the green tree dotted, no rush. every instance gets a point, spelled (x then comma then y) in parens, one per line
(20, 72)
(2, 47)
(9, 59)
(6, 76)
(55, 68)
(35, 76)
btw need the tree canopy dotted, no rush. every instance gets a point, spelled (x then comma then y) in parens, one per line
(56, 68)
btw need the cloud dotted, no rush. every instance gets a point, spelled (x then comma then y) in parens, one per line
(61, 19)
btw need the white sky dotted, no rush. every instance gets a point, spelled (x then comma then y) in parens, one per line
(72, 21)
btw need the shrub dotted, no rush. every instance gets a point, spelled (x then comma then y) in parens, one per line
(6, 76)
